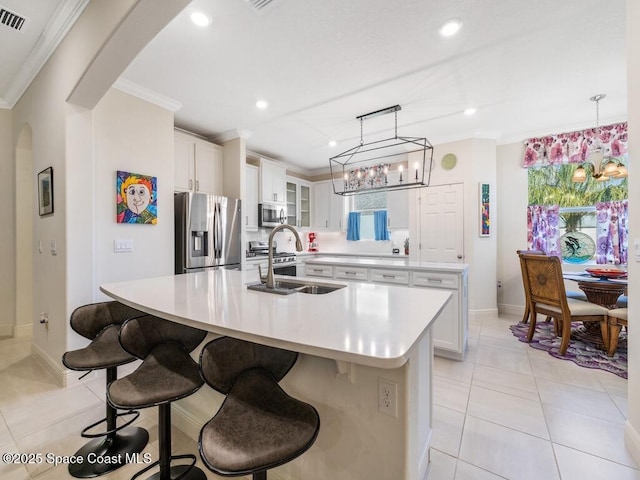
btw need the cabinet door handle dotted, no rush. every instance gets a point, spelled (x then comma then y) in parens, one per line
(388, 276)
(434, 280)
(246, 222)
(318, 270)
(197, 185)
(190, 184)
(326, 224)
(350, 273)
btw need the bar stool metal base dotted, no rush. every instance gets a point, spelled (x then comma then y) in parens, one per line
(177, 472)
(117, 448)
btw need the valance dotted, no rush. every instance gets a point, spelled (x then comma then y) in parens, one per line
(575, 147)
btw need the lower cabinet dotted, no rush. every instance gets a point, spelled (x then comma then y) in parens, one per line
(450, 332)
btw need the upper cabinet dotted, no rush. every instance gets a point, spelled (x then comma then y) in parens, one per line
(328, 208)
(273, 180)
(397, 207)
(298, 203)
(197, 165)
(250, 206)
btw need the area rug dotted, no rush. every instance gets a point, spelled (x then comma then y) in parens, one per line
(581, 351)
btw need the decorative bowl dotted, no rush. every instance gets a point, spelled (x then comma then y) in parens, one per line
(606, 272)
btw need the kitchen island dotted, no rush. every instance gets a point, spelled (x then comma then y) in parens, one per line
(451, 331)
(365, 362)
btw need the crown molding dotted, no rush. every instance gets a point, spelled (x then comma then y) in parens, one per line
(147, 94)
(231, 135)
(61, 22)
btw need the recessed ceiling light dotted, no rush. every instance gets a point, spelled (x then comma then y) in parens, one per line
(450, 27)
(470, 111)
(333, 143)
(262, 104)
(201, 19)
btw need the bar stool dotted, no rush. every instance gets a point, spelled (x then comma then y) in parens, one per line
(258, 426)
(167, 373)
(100, 323)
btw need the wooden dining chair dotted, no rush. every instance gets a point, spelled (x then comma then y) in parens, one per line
(611, 327)
(527, 307)
(545, 285)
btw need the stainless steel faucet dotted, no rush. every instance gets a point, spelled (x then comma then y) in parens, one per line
(270, 282)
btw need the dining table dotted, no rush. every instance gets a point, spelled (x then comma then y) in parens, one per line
(599, 290)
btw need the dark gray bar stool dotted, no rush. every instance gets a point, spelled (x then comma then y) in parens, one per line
(100, 323)
(167, 373)
(259, 426)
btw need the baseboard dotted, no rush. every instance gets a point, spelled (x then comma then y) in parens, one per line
(25, 330)
(6, 330)
(186, 421)
(515, 310)
(632, 441)
(42, 357)
(483, 314)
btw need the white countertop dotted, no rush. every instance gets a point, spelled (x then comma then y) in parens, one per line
(400, 264)
(368, 324)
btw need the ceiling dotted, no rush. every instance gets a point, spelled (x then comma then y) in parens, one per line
(528, 67)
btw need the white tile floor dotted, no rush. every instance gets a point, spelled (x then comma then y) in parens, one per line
(508, 411)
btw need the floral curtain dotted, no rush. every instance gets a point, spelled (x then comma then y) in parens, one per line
(542, 229)
(574, 147)
(611, 232)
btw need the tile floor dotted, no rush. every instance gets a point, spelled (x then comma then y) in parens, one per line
(508, 411)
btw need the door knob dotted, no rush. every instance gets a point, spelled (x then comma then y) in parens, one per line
(459, 256)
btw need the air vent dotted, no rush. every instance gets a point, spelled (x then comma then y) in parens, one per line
(261, 6)
(12, 20)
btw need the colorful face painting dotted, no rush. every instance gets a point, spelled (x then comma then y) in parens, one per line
(136, 198)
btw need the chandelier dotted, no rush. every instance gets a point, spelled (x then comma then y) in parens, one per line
(602, 168)
(395, 163)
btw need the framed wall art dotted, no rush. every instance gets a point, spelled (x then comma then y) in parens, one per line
(136, 198)
(485, 210)
(45, 192)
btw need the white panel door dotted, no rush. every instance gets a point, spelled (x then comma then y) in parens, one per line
(441, 221)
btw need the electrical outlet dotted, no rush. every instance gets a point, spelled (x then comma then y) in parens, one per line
(387, 397)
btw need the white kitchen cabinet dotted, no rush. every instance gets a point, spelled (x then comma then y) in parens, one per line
(450, 332)
(197, 165)
(328, 208)
(318, 271)
(398, 209)
(397, 277)
(298, 202)
(351, 273)
(273, 181)
(451, 328)
(250, 206)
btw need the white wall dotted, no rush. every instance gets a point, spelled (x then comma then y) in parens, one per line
(632, 436)
(7, 218)
(512, 226)
(135, 136)
(476, 163)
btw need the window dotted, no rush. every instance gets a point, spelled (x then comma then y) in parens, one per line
(366, 205)
(577, 219)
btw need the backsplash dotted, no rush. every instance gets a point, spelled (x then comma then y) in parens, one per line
(333, 242)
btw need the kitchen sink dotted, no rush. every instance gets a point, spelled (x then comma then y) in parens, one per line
(287, 287)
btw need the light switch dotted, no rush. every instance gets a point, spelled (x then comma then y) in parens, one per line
(636, 248)
(54, 247)
(123, 245)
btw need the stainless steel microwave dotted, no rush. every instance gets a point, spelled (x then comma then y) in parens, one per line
(271, 214)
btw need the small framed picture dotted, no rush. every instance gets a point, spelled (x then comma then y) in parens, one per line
(485, 210)
(45, 191)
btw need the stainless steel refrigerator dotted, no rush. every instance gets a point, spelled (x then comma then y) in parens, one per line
(207, 232)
